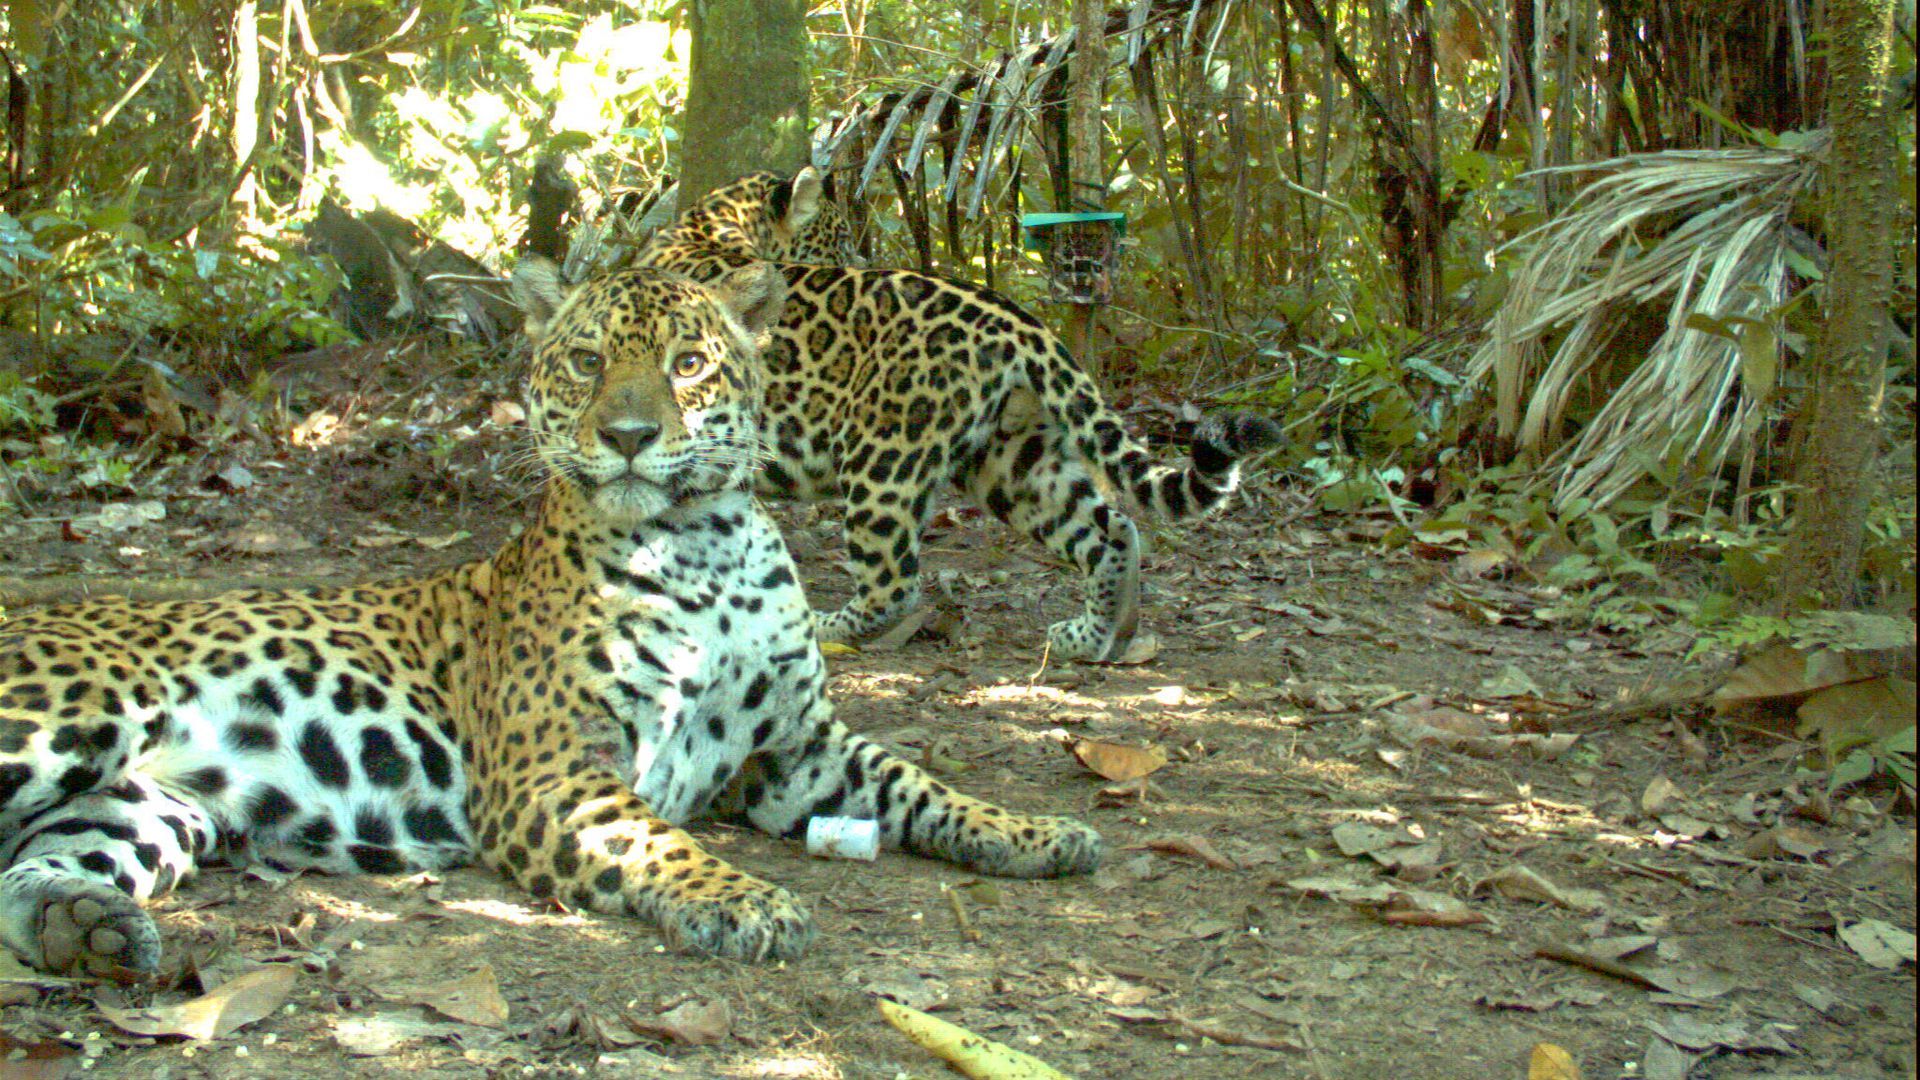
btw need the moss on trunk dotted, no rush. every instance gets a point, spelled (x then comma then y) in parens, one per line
(747, 92)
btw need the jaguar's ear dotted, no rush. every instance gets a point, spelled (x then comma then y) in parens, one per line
(797, 201)
(539, 291)
(754, 294)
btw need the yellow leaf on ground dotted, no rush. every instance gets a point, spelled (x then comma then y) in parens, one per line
(1549, 1062)
(973, 1055)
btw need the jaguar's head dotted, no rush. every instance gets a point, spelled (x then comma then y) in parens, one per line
(645, 388)
(771, 217)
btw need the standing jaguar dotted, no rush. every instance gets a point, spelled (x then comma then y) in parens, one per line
(887, 384)
(418, 724)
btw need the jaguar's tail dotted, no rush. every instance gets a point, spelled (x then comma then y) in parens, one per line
(1220, 445)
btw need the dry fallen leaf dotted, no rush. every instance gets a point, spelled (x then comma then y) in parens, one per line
(1783, 842)
(1550, 1062)
(1117, 761)
(395, 972)
(383, 1033)
(1477, 563)
(1213, 1029)
(1520, 883)
(1881, 944)
(228, 1008)
(697, 1022)
(472, 999)
(437, 543)
(1193, 846)
(1851, 714)
(1660, 793)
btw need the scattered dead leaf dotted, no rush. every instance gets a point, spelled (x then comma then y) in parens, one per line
(1194, 847)
(1783, 842)
(1851, 714)
(231, 1006)
(395, 972)
(1520, 883)
(1693, 1033)
(1412, 731)
(1118, 761)
(115, 517)
(1550, 1062)
(1659, 795)
(438, 543)
(1477, 563)
(1213, 1029)
(383, 1033)
(1880, 944)
(696, 1022)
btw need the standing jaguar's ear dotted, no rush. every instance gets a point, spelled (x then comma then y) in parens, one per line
(754, 294)
(539, 291)
(797, 201)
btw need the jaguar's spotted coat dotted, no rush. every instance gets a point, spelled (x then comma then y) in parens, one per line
(887, 384)
(417, 724)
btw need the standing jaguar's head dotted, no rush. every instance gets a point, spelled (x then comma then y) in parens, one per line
(645, 387)
(767, 216)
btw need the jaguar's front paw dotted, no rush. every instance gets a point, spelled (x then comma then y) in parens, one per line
(91, 929)
(746, 919)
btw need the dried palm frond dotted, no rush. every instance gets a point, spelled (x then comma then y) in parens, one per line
(989, 109)
(1704, 231)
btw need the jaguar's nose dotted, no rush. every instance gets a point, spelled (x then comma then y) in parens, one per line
(629, 437)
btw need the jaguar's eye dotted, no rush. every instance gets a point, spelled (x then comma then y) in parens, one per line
(588, 362)
(691, 365)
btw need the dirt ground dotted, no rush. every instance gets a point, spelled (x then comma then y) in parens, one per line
(1310, 886)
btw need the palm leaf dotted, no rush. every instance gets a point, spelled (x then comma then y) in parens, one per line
(1706, 232)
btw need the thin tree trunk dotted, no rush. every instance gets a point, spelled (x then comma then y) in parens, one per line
(1086, 169)
(246, 101)
(746, 94)
(1848, 368)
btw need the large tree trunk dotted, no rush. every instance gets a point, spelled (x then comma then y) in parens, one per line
(1842, 424)
(747, 92)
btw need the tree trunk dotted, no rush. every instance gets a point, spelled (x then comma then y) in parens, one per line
(747, 92)
(1086, 171)
(245, 137)
(1848, 367)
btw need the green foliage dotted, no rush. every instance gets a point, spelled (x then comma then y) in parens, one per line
(96, 269)
(24, 410)
(1890, 754)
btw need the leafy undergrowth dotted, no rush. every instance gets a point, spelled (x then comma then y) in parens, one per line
(1374, 809)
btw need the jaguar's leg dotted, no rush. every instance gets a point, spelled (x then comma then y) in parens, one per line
(1033, 482)
(833, 771)
(883, 556)
(585, 839)
(76, 876)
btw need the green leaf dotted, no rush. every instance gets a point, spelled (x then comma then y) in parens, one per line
(1759, 360)
(1856, 767)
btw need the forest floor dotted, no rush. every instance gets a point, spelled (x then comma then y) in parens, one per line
(1367, 855)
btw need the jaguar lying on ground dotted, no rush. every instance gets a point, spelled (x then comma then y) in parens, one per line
(887, 383)
(416, 724)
